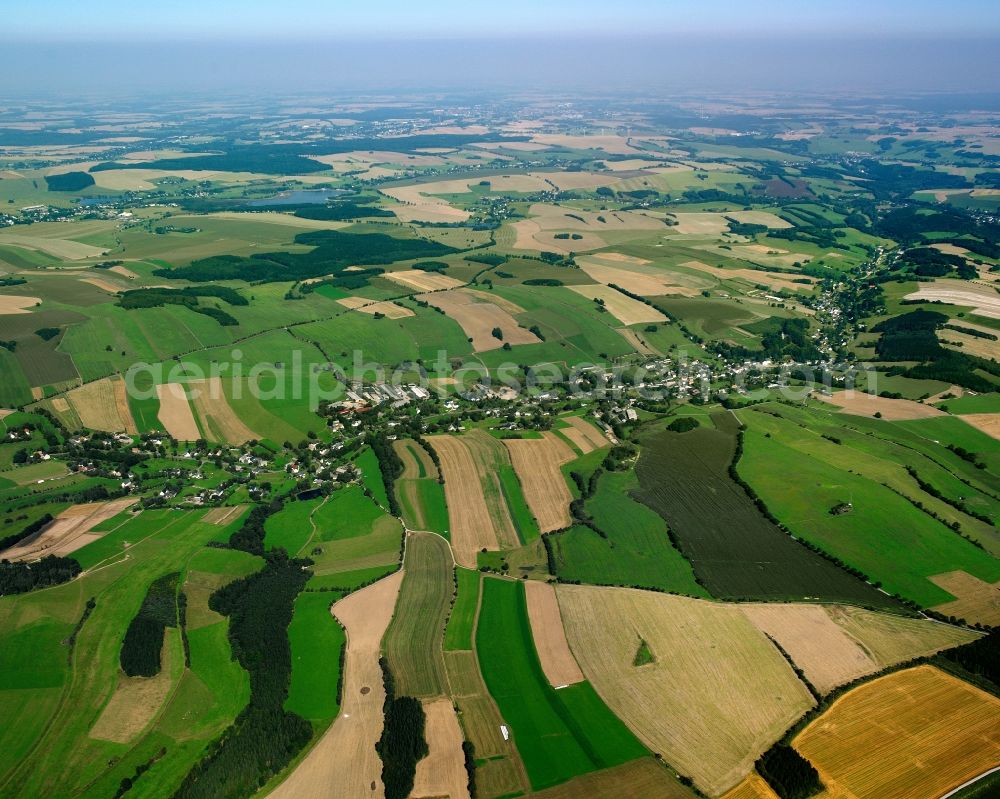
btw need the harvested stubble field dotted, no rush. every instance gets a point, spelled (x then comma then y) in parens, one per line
(977, 599)
(627, 310)
(479, 516)
(862, 404)
(717, 693)
(479, 316)
(557, 660)
(890, 639)
(175, 412)
(218, 419)
(640, 278)
(914, 734)
(988, 423)
(442, 772)
(775, 280)
(417, 463)
(70, 530)
(735, 551)
(103, 405)
(583, 434)
(137, 700)
(835, 645)
(537, 462)
(423, 281)
(17, 305)
(414, 640)
(529, 235)
(344, 761)
(753, 787)
(982, 299)
(371, 307)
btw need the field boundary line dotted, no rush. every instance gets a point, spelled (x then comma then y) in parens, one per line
(973, 781)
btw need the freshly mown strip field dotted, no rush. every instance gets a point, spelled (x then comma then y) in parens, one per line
(479, 516)
(547, 631)
(415, 636)
(517, 505)
(499, 770)
(914, 734)
(912, 545)
(559, 734)
(344, 761)
(734, 550)
(714, 693)
(423, 505)
(537, 463)
(218, 419)
(175, 412)
(417, 464)
(637, 551)
(461, 623)
(830, 654)
(316, 639)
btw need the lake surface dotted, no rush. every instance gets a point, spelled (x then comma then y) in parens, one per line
(297, 197)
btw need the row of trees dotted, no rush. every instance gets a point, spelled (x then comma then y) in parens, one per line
(143, 642)
(265, 737)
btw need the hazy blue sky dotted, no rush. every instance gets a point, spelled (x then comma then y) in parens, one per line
(407, 18)
(578, 45)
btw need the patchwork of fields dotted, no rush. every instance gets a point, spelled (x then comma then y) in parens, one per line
(631, 581)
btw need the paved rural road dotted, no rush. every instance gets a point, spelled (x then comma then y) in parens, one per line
(965, 785)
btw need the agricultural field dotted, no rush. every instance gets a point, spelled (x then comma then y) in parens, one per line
(834, 645)
(637, 551)
(478, 513)
(559, 734)
(414, 640)
(713, 694)
(915, 733)
(62, 702)
(684, 478)
(464, 446)
(537, 463)
(829, 474)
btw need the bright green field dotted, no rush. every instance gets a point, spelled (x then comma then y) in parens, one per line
(559, 734)
(885, 536)
(637, 550)
(46, 749)
(981, 403)
(316, 639)
(520, 513)
(462, 621)
(371, 476)
(291, 527)
(432, 513)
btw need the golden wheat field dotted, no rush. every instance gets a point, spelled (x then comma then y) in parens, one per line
(914, 734)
